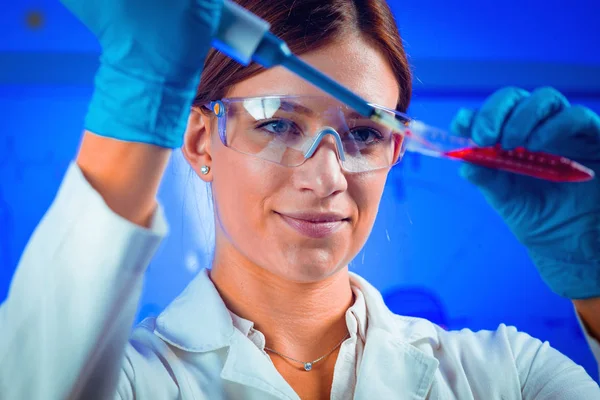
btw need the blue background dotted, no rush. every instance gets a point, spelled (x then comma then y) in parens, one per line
(436, 250)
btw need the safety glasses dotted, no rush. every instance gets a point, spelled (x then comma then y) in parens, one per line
(287, 130)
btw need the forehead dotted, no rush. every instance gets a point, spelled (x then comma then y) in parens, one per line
(353, 62)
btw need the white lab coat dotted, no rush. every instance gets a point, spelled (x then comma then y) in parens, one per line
(66, 325)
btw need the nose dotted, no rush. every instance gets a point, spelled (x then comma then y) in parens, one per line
(322, 173)
(324, 133)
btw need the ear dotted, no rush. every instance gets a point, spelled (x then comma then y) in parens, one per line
(196, 143)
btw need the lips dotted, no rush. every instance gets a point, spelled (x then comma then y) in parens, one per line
(315, 225)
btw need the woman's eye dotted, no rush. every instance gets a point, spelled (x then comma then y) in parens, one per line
(365, 135)
(278, 127)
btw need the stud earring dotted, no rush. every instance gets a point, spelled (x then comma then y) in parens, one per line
(204, 169)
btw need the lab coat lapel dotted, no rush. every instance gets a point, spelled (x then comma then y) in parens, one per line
(392, 366)
(198, 321)
(393, 369)
(184, 322)
(247, 366)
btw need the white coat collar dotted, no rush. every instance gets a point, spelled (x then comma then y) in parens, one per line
(393, 367)
(198, 321)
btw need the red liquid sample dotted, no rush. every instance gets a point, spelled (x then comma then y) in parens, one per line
(521, 161)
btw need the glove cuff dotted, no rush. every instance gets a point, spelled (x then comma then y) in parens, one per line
(576, 281)
(140, 109)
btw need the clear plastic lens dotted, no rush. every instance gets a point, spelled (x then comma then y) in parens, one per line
(283, 130)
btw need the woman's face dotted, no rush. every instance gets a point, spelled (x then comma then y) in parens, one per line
(266, 213)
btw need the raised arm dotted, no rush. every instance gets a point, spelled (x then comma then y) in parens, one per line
(588, 312)
(559, 223)
(73, 298)
(546, 374)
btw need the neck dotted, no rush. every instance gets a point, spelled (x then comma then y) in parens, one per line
(303, 320)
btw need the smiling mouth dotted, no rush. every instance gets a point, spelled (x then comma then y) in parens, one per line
(315, 226)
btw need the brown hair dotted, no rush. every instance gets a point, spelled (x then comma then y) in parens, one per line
(307, 25)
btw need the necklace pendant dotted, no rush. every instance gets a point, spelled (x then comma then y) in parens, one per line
(307, 366)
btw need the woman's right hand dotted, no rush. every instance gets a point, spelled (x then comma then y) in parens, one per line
(80, 277)
(153, 52)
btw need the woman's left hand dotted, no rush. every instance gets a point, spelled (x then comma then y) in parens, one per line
(559, 223)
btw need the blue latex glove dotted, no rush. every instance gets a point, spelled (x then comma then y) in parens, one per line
(153, 53)
(559, 223)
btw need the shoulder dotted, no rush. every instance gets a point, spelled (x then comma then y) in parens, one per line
(145, 348)
(504, 339)
(146, 343)
(149, 364)
(498, 360)
(477, 348)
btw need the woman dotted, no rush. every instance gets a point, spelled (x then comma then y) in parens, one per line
(278, 315)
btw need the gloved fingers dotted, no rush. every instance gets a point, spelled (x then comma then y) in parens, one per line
(573, 133)
(496, 186)
(208, 11)
(530, 113)
(485, 126)
(86, 11)
(462, 122)
(512, 196)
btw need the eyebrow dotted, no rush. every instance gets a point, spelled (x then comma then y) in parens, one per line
(291, 106)
(355, 114)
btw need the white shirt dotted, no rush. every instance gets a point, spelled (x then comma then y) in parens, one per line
(66, 332)
(351, 350)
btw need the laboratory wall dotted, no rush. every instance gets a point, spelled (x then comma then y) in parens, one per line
(437, 249)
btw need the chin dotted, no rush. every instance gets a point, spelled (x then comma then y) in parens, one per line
(310, 267)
